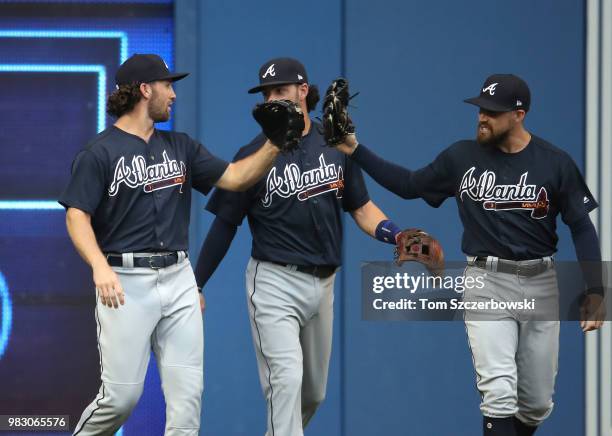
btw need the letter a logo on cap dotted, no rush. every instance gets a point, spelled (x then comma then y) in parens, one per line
(269, 71)
(490, 88)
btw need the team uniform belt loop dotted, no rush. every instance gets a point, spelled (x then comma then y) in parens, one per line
(146, 260)
(128, 260)
(524, 268)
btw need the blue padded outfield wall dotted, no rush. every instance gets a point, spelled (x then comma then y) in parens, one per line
(414, 63)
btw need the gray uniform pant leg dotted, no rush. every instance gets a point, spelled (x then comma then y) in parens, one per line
(316, 340)
(161, 311)
(515, 358)
(537, 364)
(178, 343)
(291, 315)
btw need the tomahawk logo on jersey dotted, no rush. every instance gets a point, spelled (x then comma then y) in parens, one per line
(306, 184)
(500, 197)
(152, 177)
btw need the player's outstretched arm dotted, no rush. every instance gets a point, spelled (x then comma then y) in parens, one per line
(282, 122)
(393, 177)
(339, 132)
(242, 174)
(214, 248)
(82, 235)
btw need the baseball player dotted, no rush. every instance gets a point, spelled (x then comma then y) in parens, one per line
(509, 185)
(128, 204)
(295, 218)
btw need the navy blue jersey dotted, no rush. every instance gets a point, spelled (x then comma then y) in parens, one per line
(294, 212)
(508, 202)
(139, 194)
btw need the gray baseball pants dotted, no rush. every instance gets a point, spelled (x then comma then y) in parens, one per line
(291, 316)
(161, 313)
(515, 352)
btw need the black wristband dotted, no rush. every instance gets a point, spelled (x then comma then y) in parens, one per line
(598, 290)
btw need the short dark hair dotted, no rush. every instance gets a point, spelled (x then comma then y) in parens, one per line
(312, 98)
(123, 99)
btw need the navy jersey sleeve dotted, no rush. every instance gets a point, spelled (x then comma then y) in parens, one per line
(575, 198)
(86, 185)
(229, 205)
(206, 169)
(434, 183)
(355, 190)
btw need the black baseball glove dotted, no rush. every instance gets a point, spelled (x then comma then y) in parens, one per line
(282, 121)
(336, 121)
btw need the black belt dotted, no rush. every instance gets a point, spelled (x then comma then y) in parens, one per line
(154, 261)
(320, 271)
(516, 267)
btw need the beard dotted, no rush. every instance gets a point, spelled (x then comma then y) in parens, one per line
(158, 110)
(491, 138)
(296, 97)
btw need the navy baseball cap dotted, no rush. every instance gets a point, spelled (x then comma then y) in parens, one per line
(280, 71)
(144, 68)
(503, 93)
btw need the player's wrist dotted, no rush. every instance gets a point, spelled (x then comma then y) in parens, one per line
(272, 147)
(387, 231)
(99, 263)
(351, 142)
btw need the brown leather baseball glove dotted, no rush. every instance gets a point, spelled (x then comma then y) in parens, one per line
(418, 246)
